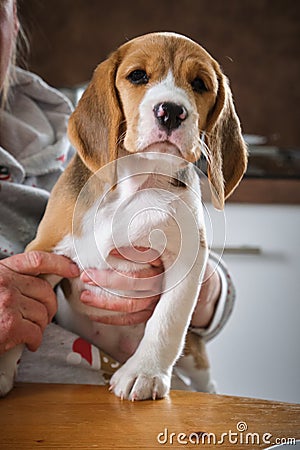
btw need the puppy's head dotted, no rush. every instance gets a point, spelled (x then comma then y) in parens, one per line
(161, 91)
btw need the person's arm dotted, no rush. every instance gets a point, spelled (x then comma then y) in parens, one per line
(216, 300)
(27, 302)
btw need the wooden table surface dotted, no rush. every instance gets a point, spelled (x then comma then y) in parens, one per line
(49, 416)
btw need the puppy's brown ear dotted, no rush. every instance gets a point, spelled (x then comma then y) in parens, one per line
(227, 148)
(94, 126)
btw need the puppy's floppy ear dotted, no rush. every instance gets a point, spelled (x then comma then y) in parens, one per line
(95, 124)
(228, 152)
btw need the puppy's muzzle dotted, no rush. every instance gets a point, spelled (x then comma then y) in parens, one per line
(169, 115)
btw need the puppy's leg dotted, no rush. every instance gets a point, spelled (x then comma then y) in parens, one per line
(194, 366)
(147, 374)
(8, 368)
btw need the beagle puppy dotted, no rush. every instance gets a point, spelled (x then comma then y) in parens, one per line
(150, 110)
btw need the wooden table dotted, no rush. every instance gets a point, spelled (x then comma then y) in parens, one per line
(48, 416)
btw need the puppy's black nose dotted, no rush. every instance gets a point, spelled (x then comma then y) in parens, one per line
(170, 115)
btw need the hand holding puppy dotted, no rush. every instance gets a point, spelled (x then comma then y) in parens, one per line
(139, 310)
(27, 302)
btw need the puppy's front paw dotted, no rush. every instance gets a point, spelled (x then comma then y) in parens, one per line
(142, 384)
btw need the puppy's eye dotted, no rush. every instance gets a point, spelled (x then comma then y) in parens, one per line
(138, 77)
(198, 85)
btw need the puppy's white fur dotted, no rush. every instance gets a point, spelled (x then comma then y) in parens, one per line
(147, 373)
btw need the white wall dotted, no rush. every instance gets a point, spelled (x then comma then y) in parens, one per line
(257, 353)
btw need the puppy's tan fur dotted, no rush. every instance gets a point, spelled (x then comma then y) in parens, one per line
(109, 106)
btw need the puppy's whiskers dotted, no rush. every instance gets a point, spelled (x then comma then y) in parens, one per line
(121, 138)
(205, 150)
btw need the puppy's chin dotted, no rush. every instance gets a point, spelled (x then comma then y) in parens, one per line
(159, 152)
(166, 151)
(163, 147)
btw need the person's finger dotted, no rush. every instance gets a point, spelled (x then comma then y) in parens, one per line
(31, 334)
(143, 280)
(37, 262)
(33, 311)
(124, 319)
(40, 290)
(138, 254)
(119, 304)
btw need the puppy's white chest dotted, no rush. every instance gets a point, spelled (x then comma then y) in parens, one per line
(143, 218)
(140, 220)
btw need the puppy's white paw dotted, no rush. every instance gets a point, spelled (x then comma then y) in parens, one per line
(140, 384)
(6, 383)
(8, 368)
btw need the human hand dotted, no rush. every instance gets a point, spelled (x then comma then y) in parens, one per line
(27, 302)
(146, 283)
(139, 310)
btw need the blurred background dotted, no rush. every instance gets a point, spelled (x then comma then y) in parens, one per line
(257, 43)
